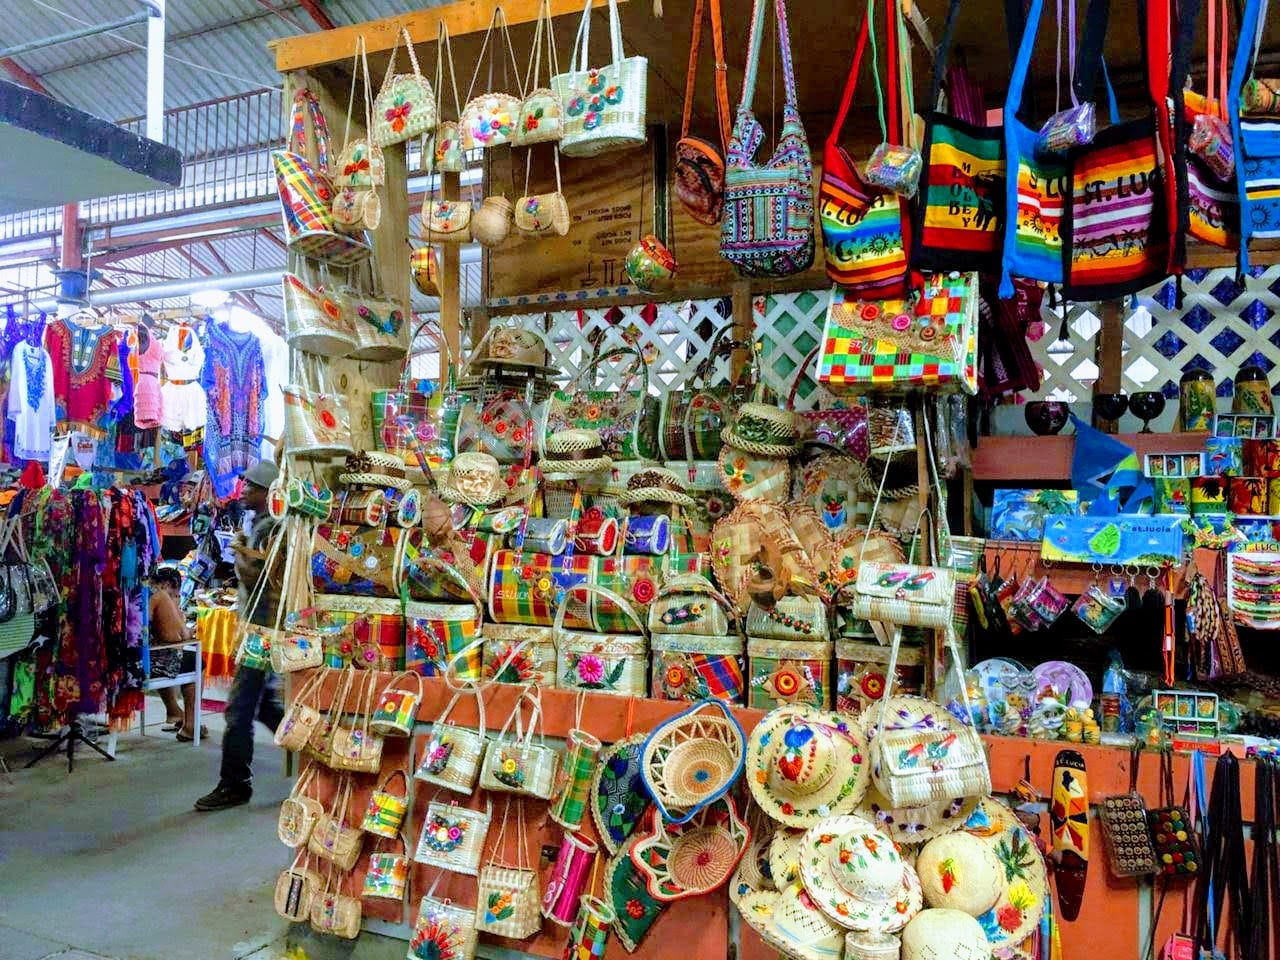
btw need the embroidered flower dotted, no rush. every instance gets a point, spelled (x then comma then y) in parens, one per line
(592, 121)
(397, 112)
(595, 81)
(872, 685)
(532, 205)
(1009, 917)
(590, 669)
(576, 106)
(635, 909)
(869, 843)
(613, 95)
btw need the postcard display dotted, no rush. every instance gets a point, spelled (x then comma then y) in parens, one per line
(483, 574)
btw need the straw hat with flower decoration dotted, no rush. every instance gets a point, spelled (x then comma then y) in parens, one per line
(575, 452)
(655, 485)
(763, 430)
(474, 479)
(857, 877)
(373, 468)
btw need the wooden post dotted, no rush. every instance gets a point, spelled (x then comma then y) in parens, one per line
(1108, 355)
(451, 277)
(744, 328)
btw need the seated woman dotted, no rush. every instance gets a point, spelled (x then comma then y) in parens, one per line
(169, 627)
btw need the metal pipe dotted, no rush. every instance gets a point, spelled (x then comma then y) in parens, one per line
(80, 34)
(155, 70)
(169, 289)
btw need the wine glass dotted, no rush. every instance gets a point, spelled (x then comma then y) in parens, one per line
(1146, 405)
(1045, 417)
(1110, 406)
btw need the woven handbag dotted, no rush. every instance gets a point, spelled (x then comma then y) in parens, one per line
(301, 717)
(453, 836)
(297, 647)
(690, 605)
(791, 618)
(412, 414)
(317, 424)
(319, 745)
(489, 119)
(299, 812)
(386, 876)
(523, 587)
(447, 221)
(314, 322)
(331, 838)
(442, 929)
(451, 755)
(542, 214)
(605, 107)
(767, 228)
(361, 163)
(497, 426)
(296, 888)
(378, 321)
(625, 418)
(406, 105)
(385, 815)
(699, 169)
(693, 417)
(509, 902)
(784, 672)
(517, 764)
(335, 913)
(697, 666)
(397, 707)
(602, 662)
(519, 654)
(540, 118)
(355, 748)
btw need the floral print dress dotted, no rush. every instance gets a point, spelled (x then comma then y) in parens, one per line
(235, 384)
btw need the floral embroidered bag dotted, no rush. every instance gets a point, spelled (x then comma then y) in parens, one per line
(515, 764)
(767, 230)
(540, 214)
(406, 105)
(604, 106)
(626, 418)
(451, 754)
(489, 119)
(510, 896)
(602, 662)
(446, 155)
(540, 118)
(453, 836)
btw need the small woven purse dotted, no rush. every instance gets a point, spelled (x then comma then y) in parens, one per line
(385, 815)
(397, 707)
(296, 888)
(386, 876)
(453, 836)
(406, 105)
(319, 746)
(510, 896)
(355, 747)
(301, 718)
(299, 812)
(334, 912)
(489, 119)
(517, 764)
(331, 838)
(451, 755)
(540, 118)
(541, 214)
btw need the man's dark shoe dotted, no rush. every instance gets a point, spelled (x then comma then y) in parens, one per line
(223, 797)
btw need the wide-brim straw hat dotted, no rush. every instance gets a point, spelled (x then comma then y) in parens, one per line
(753, 873)
(784, 857)
(516, 347)
(373, 468)
(959, 871)
(655, 485)
(797, 928)
(618, 795)
(474, 479)
(804, 765)
(576, 452)
(857, 877)
(1016, 915)
(756, 908)
(944, 933)
(763, 430)
(692, 759)
(680, 860)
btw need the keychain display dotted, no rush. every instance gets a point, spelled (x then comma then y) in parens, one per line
(1097, 608)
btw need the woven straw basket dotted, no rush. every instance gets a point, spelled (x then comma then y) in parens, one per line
(692, 759)
(451, 755)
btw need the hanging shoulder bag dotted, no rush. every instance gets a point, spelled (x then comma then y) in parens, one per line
(406, 105)
(767, 229)
(1257, 142)
(699, 172)
(693, 417)
(625, 418)
(540, 118)
(1208, 195)
(489, 119)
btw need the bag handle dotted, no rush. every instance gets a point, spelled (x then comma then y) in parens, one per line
(444, 54)
(305, 780)
(850, 84)
(799, 377)
(453, 701)
(696, 583)
(892, 669)
(1251, 25)
(528, 167)
(305, 104)
(942, 53)
(723, 121)
(543, 35)
(580, 46)
(597, 360)
(622, 603)
(753, 56)
(360, 63)
(398, 772)
(394, 681)
(499, 20)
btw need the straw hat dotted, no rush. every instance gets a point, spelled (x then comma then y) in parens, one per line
(577, 452)
(680, 860)
(857, 877)
(655, 485)
(804, 765)
(619, 797)
(763, 430)
(959, 871)
(784, 857)
(754, 873)
(799, 929)
(944, 935)
(372, 468)
(475, 479)
(871, 946)
(516, 347)
(692, 759)
(1017, 913)
(756, 909)
(915, 824)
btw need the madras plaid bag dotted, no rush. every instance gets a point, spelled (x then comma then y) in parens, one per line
(767, 229)
(523, 588)
(690, 667)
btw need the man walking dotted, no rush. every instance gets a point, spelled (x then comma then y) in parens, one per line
(253, 691)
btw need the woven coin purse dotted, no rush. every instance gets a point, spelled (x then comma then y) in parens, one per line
(690, 605)
(386, 876)
(335, 913)
(516, 764)
(355, 748)
(453, 837)
(299, 812)
(406, 105)
(540, 118)
(451, 755)
(331, 838)
(296, 887)
(301, 717)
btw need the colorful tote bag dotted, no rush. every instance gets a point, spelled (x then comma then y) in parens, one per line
(959, 211)
(406, 105)
(424, 579)
(523, 588)
(604, 107)
(692, 418)
(1257, 143)
(930, 340)
(317, 425)
(626, 418)
(862, 225)
(1035, 187)
(1211, 202)
(1115, 235)
(361, 561)
(767, 228)
(499, 427)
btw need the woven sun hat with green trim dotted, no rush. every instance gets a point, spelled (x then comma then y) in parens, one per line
(857, 877)
(763, 430)
(475, 479)
(804, 765)
(373, 468)
(576, 452)
(655, 485)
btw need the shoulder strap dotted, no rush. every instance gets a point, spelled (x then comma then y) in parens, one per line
(444, 54)
(1250, 27)
(721, 73)
(304, 105)
(941, 53)
(1021, 64)
(851, 81)
(753, 54)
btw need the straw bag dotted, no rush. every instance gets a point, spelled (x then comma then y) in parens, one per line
(297, 647)
(317, 424)
(377, 321)
(510, 897)
(519, 654)
(920, 753)
(314, 322)
(602, 662)
(406, 105)
(331, 839)
(296, 888)
(443, 929)
(361, 163)
(453, 836)
(541, 214)
(299, 812)
(625, 418)
(354, 747)
(767, 229)
(491, 224)
(411, 418)
(489, 119)
(699, 170)
(301, 717)
(397, 708)
(319, 746)
(694, 417)
(446, 154)
(689, 604)
(540, 118)
(447, 221)
(424, 267)
(334, 912)
(785, 672)
(385, 814)
(387, 875)
(791, 618)
(518, 765)
(605, 106)
(451, 755)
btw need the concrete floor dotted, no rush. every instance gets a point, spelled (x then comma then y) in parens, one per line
(111, 860)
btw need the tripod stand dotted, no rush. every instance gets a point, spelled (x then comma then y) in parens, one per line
(70, 736)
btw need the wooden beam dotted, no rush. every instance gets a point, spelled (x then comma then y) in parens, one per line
(316, 13)
(466, 16)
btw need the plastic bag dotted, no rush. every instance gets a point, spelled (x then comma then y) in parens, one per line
(1210, 140)
(1072, 127)
(895, 168)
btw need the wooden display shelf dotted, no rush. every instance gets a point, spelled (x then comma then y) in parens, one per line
(1041, 459)
(1022, 557)
(174, 529)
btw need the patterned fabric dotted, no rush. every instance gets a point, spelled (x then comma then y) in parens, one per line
(235, 384)
(80, 357)
(30, 402)
(1257, 144)
(523, 588)
(960, 220)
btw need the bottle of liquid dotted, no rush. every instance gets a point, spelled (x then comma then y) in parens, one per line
(1114, 698)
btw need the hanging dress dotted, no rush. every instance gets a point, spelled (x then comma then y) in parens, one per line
(30, 401)
(148, 402)
(182, 397)
(234, 380)
(80, 358)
